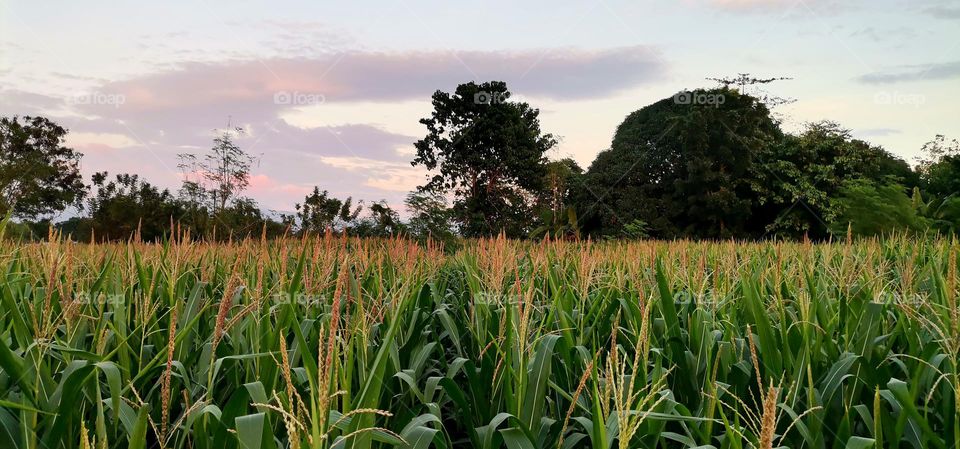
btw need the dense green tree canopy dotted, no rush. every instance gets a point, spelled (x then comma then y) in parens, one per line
(127, 204)
(39, 175)
(684, 168)
(799, 179)
(870, 208)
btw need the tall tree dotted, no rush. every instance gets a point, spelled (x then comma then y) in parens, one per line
(227, 168)
(39, 175)
(489, 151)
(681, 167)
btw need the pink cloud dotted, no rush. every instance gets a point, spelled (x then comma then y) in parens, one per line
(175, 110)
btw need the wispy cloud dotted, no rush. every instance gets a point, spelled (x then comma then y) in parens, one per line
(944, 12)
(923, 72)
(877, 132)
(801, 7)
(173, 110)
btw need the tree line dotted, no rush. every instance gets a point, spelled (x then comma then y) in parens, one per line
(703, 164)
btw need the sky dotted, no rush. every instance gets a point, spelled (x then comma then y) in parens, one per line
(330, 94)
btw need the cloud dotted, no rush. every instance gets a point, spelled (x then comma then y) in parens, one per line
(18, 102)
(878, 132)
(750, 5)
(264, 184)
(395, 177)
(787, 8)
(101, 140)
(155, 116)
(923, 72)
(944, 12)
(878, 35)
(377, 76)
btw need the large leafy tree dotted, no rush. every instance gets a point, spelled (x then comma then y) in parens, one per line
(39, 175)
(681, 168)
(488, 153)
(870, 208)
(800, 180)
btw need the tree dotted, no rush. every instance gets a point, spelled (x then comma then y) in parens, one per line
(38, 174)
(320, 211)
(243, 218)
(554, 205)
(939, 171)
(681, 167)
(430, 217)
(870, 208)
(490, 155)
(939, 168)
(126, 204)
(382, 221)
(227, 169)
(799, 180)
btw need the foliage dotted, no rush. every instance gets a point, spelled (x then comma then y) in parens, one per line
(430, 218)
(240, 219)
(940, 167)
(868, 208)
(38, 174)
(489, 154)
(220, 177)
(127, 205)
(636, 229)
(320, 211)
(555, 203)
(682, 167)
(382, 221)
(799, 180)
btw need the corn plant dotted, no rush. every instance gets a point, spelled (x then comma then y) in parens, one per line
(336, 342)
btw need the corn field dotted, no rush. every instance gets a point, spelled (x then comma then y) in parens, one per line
(335, 342)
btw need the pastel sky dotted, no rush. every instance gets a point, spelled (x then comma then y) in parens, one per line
(330, 93)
